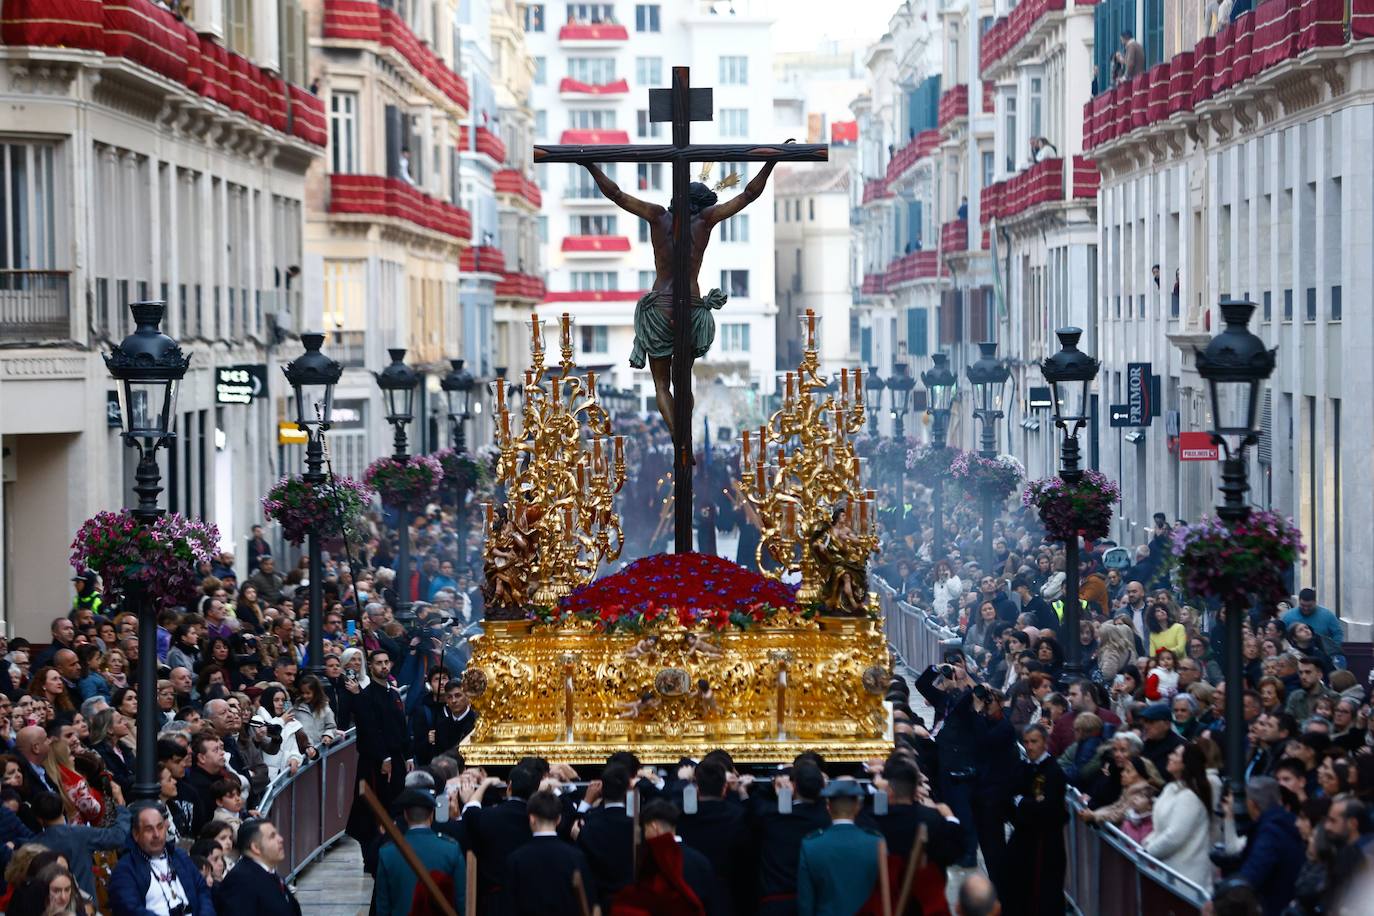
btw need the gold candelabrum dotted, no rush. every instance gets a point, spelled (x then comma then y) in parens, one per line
(801, 474)
(561, 473)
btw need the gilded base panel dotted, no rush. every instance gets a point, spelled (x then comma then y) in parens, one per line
(577, 695)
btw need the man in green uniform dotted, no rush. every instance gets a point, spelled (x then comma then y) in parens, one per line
(395, 885)
(653, 313)
(838, 868)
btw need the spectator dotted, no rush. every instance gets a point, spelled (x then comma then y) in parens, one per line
(1324, 624)
(155, 866)
(1274, 850)
(1181, 835)
(253, 886)
(76, 842)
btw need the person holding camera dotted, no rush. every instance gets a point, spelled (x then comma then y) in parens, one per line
(949, 690)
(998, 761)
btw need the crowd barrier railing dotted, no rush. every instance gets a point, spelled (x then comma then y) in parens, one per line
(310, 809)
(1107, 872)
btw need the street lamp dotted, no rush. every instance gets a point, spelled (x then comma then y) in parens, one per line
(312, 377)
(940, 388)
(989, 379)
(874, 385)
(398, 383)
(457, 386)
(1235, 366)
(1070, 373)
(900, 384)
(148, 365)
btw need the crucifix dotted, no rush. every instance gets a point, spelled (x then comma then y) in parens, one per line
(679, 247)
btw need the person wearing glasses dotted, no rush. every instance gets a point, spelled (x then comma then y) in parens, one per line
(156, 876)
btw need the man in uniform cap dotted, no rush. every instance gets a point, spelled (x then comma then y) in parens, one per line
(1157, 723)
(396, 881)
(838, 867)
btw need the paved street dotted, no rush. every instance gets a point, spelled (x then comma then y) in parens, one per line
(335, 885)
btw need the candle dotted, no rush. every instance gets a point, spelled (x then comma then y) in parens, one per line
(591, 385)
(568, 526)
(620, 450)
(863, 513)
(596, 453)
(811, 328)
(859, 386)
(505, 422)
(536, 334)
(839, 419)
(791, 517)
(849, 512)
(844, 383)
(760, 480)
(582, 478)
(500, 394)
(744, 452)
(567, 330)
(490, 513)
(529, 383)
(789, 386)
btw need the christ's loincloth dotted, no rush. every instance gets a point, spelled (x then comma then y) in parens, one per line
(654, 326)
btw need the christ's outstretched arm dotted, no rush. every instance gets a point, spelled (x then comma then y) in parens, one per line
(721, 212)
(627, 202)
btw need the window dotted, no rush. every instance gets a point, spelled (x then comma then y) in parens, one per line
(543, 229)
(343, 132)
(238, 27)
(811, 209)
(734, 71)
(595, 13)
(644, 128)
(593, 338)
(541, 71)
(917, 332)
(650, 177)
(597, 224)
(735, 168)
(1288, 305)
(541, 124)
(1268, 313)
(594, 280)
(988, 167)
(1335, 303)
(646, 17)
(646, 278)
(734, 122)
(591, 119)
(580, 185)
(734, 337)
(649, 71)
(533, 14)
(644, 231)
(595, 70)
(735, 282)
(1310, 313)
(1036, 105)
(1010, 142)
(735, 229)
(28, 222)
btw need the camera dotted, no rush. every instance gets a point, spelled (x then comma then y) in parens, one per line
(981, 693)
(947, 671)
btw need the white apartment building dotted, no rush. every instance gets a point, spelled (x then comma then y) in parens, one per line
(154, 159)
(1247, 175)
(594, 66)
(391, 206)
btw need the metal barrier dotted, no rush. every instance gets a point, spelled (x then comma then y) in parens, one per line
(1107, 872)
(310, 809)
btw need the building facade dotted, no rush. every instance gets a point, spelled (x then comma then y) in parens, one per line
(156, 158)
(390, 207)
(594, 66)
(1242, 170)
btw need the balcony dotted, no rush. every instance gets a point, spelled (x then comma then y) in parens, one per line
(509, 181)
(874, 284)
(593, 34)
(366, 21)
(595, 245)
(148, 35)
(34, 305)
(520, 286)
(914, 266)
(593, 295)
(483, 259)
(918, 148)
(373, 195)
(576, 88)
(594, 137)
(488, 144)
(876, 189)
(349, 348)
(953, 105)
(1002, 44)
(1240, 54)
(954, 237)
(1042, 183)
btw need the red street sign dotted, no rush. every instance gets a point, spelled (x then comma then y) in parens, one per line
(1196, 447)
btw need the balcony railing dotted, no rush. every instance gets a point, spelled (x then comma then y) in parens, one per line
(953, 104)
(510, 181)
(599, 32)
(913, 266)
(1257, 41)
(348, 347)
(1004, 35)
(487, 143)
(593, 136)
(954, 237)
(570, 86)
(595, 244)
(392, 197)
(1042, 183)
(520, 286)
(876, 189)
(35, 305)
(482, 259)
(916, 149)
(365, 20)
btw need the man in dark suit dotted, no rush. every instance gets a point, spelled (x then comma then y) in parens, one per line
(455, 721)
(493, 833)
(253, 885)
(717, 830)
(944, 839)
(539, 874)
(1036, 856)
(606, 836)
(949, 690)
(778, 835)
(383, 749)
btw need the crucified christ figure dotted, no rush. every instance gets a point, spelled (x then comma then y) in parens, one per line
(654, 312)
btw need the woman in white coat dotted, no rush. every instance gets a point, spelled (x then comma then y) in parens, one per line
(1182, 818)
(947, 589)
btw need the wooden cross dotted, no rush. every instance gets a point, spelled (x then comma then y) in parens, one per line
(682, 105)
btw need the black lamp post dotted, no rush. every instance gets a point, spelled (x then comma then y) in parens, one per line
(1235, 366)
(148, 365)
(874, 386)
(1070, 373)
(989, 378)
(312, 377)
(900, 384)
(398, 382)
(941, 385)
(458, 386)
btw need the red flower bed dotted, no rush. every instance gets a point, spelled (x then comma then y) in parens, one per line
(695, 588)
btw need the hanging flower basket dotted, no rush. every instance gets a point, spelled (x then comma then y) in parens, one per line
(1239, 563)
(1000, 476)
(1082, 509)
(163, 557)
(334, 509)
(927, 464)
(410, 484)
(463, 474)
